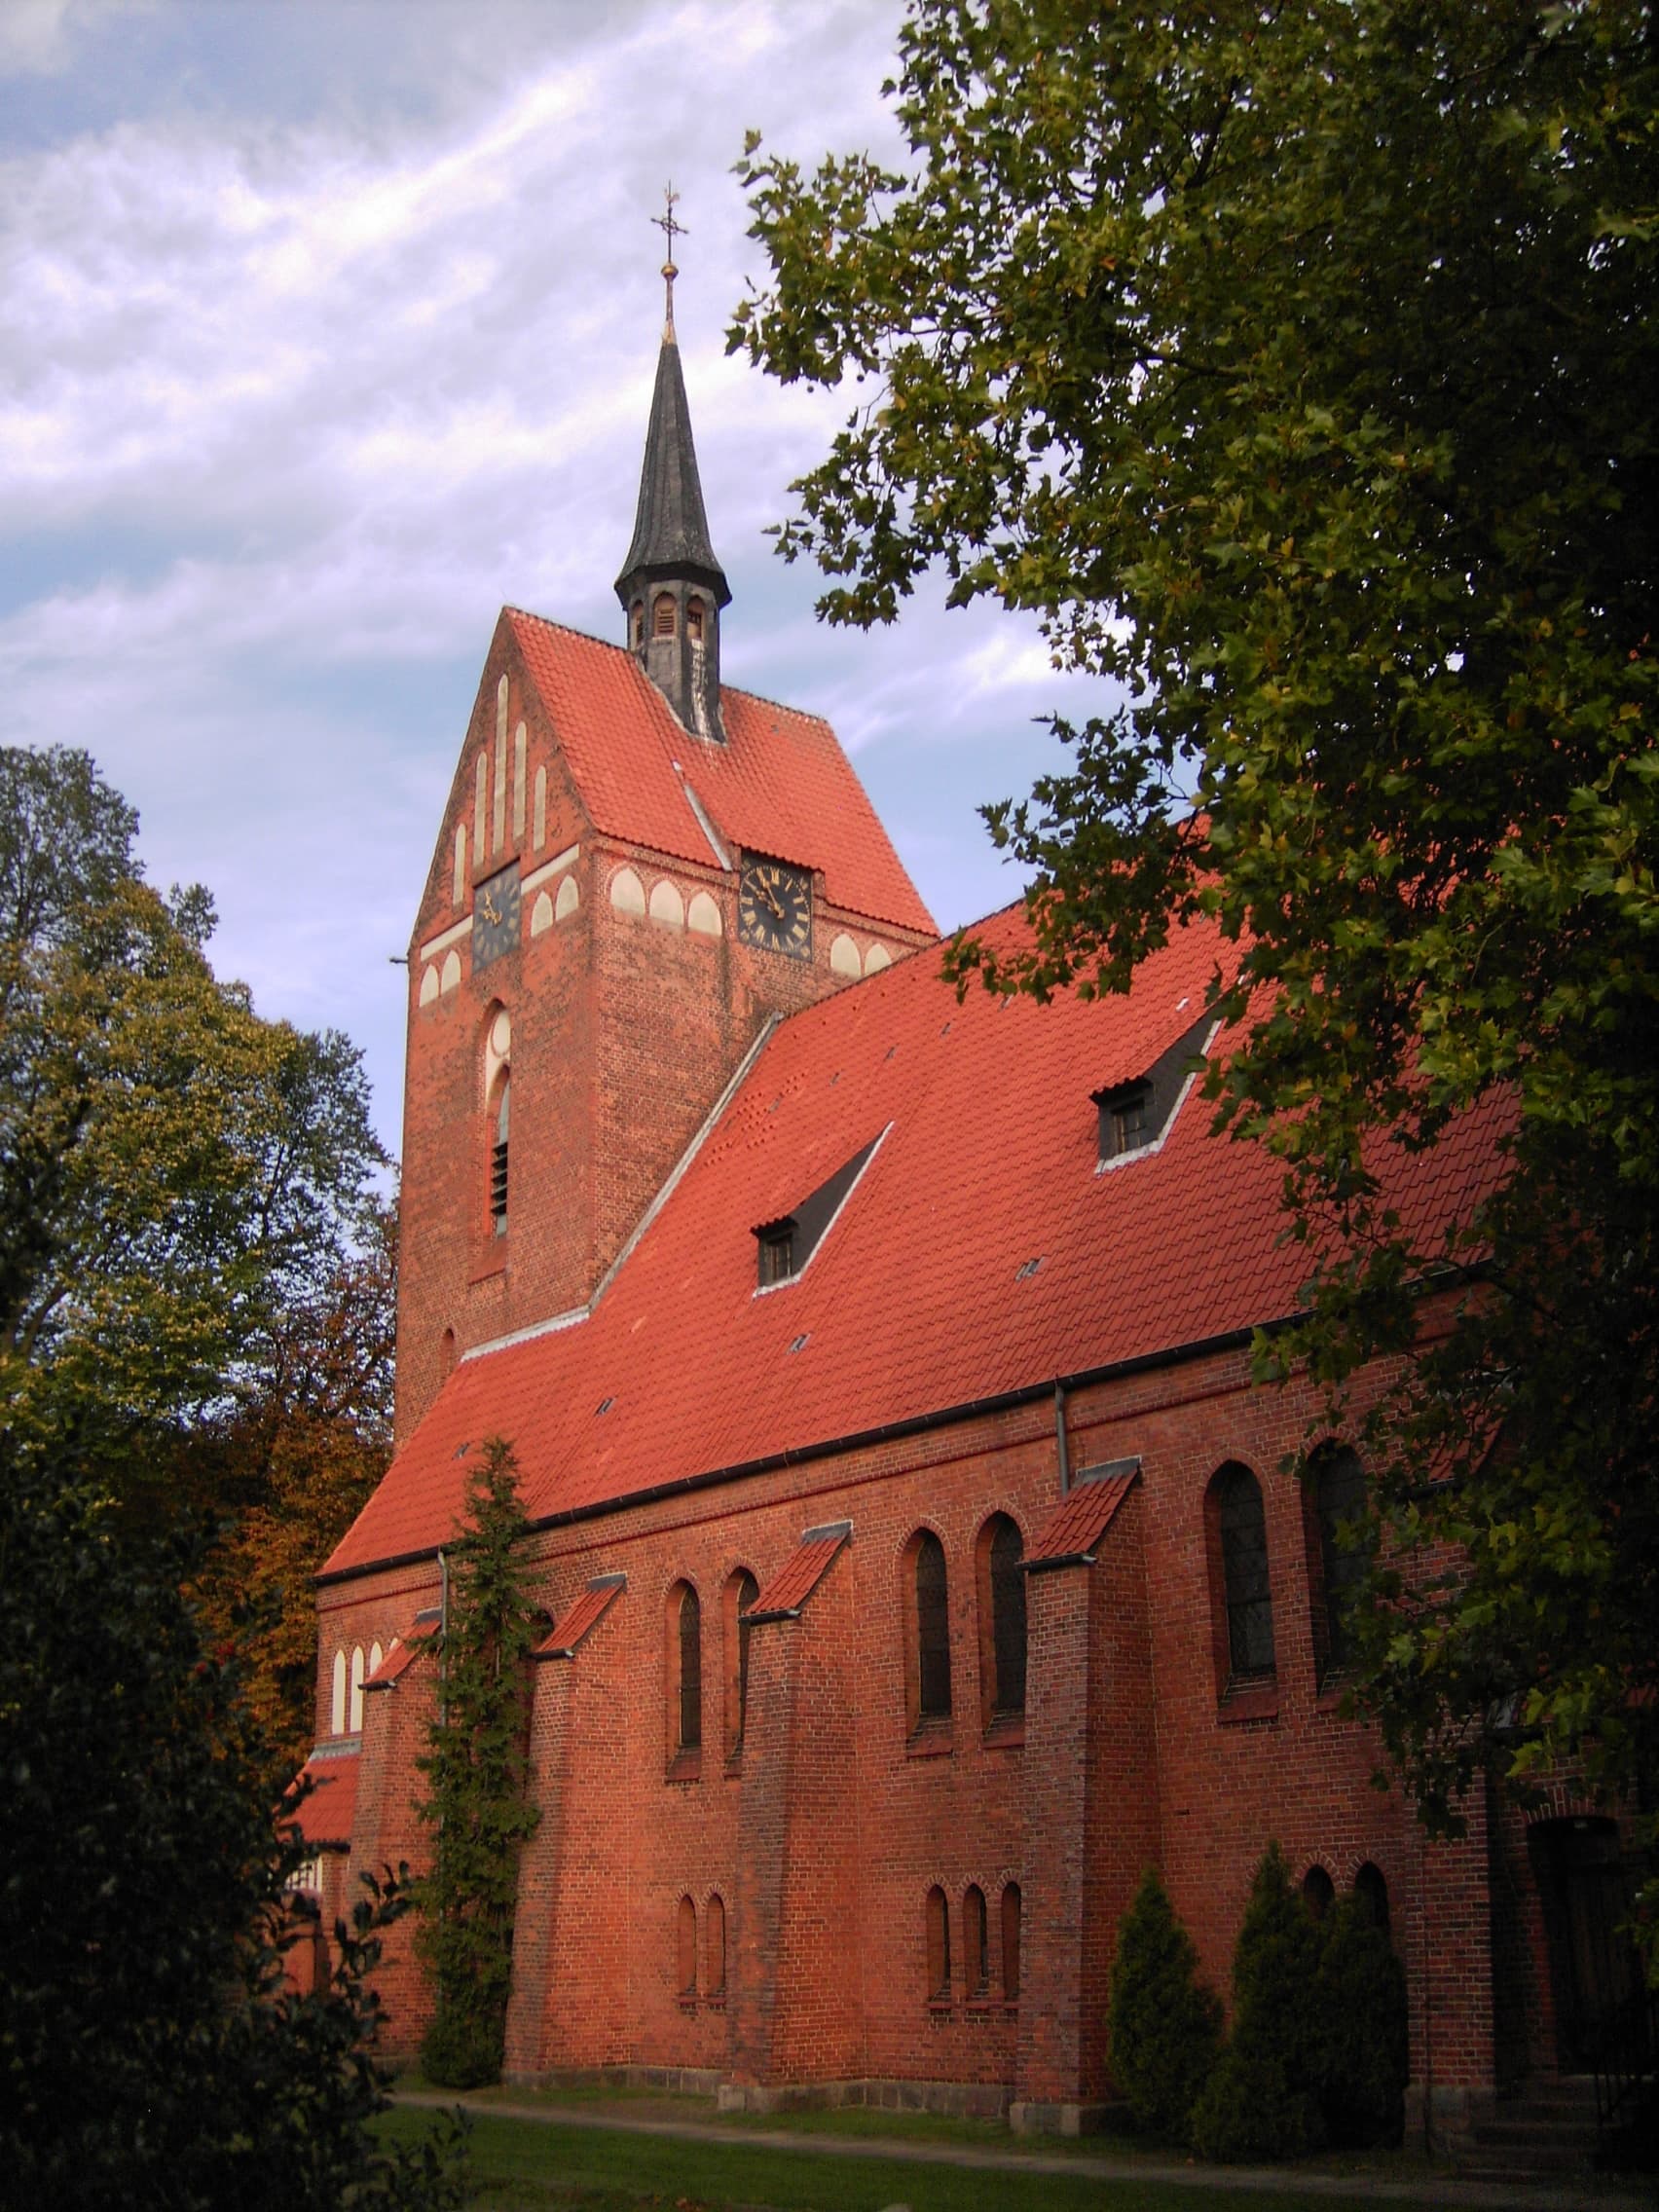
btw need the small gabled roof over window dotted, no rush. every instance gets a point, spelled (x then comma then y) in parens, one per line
(788, 1243)
(1134, 1116)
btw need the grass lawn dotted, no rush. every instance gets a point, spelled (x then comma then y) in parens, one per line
(522, 2165)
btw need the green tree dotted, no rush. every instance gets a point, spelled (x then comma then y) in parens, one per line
(1364, 2050)
(1261, 2101)
(1166, 2026)
(149, 2054)
(477, 1774)
(1294, 366)
(177, 1176)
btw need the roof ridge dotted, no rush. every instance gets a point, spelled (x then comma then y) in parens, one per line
(609, 645)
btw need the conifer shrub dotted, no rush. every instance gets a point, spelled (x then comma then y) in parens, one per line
(1166, 2026)
(1261, 2101)
(1361, 1995)
(476, 1766)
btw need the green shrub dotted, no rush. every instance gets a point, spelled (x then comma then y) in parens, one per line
(1165, 2027)
(1362, 2014)
(1263, 2099)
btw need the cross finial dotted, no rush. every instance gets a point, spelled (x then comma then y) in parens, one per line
(670, 230)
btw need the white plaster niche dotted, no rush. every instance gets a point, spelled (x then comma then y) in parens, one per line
(501, 1034)
(667, 905)
(568, 901)
(877, 958)
(627, 892)
(499, 817)
(540, 818)
(480, 800)
(500, 714)
(541, 914)
(703, 915)
(451, 976)
(428, 983)
(458, 882)
(519, 744)
(844, 957)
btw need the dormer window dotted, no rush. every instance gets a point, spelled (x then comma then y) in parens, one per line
(787, 1243)
(637, 622)
(1136, 1115)
(777, 1242)
(662, 616)
(694, 620)
(1125, 1120)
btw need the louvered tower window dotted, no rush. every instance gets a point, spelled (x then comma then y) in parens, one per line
(499, 1163)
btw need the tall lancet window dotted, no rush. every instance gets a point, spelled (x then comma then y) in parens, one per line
(499, 1159)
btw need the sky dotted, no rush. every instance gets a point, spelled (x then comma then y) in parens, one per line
(329, 326)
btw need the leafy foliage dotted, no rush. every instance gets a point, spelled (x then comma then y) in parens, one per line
(1165, 2027)
(1294, 366)
(1263, 2099)
(177, 1177)
(288, 1469)
(476, 1768)
(149, 2054)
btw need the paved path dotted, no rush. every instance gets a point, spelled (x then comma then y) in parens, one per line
(1438, 2190)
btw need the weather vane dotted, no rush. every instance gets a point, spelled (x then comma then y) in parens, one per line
(670, 230)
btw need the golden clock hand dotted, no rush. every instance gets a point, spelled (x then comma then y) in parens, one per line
(490, 913)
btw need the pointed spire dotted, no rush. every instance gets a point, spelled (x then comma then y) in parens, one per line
(671, 586)
(670, 529)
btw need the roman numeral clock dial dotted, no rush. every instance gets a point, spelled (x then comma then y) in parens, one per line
(774, 907)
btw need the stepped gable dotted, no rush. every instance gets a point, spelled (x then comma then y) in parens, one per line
(921, 1295)
(779, 785)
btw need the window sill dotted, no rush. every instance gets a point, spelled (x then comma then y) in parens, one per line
(932, 1739)
(939, 2008)
(685, 1766)
(491, 1261)
(1334, 1690)
(716, 2002)
(688, 2004)
(1004, 1731)
(1250, 1701)
(733, 1768)
(982, 2008)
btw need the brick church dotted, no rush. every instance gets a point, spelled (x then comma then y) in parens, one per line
(917, 1558)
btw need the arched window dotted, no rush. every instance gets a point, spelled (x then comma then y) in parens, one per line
(1372, 1891)
(1337, 1489)
(694, 620)
(1002, 1619)
(974, 1933)
(499, 1159)
(933, 1630)
(689, 1631)
(939, 1948)
(741, 1591)
(662, 616)
(1243, 1531)
(1319, 1892)
(1010, 1904)
(375, 1655)
(446, 1354)
(685, 1964)
(356, 1714)
(714, 1948)
(337, 1705)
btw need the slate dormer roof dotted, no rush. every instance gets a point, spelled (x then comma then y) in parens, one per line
(670, 529)
(916, 1301)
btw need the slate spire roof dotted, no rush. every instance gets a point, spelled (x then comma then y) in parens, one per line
(670, 529)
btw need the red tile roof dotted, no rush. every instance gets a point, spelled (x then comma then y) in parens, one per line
(799, 1577)
(1081, 1519)
(780, 785)
(401, 1654)
(327, 1814)
(583, 1618)
(920, 1297)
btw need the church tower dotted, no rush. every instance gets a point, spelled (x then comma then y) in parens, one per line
(636, 869)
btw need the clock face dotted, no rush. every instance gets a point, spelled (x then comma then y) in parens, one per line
(774, 907)
(496, 909)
